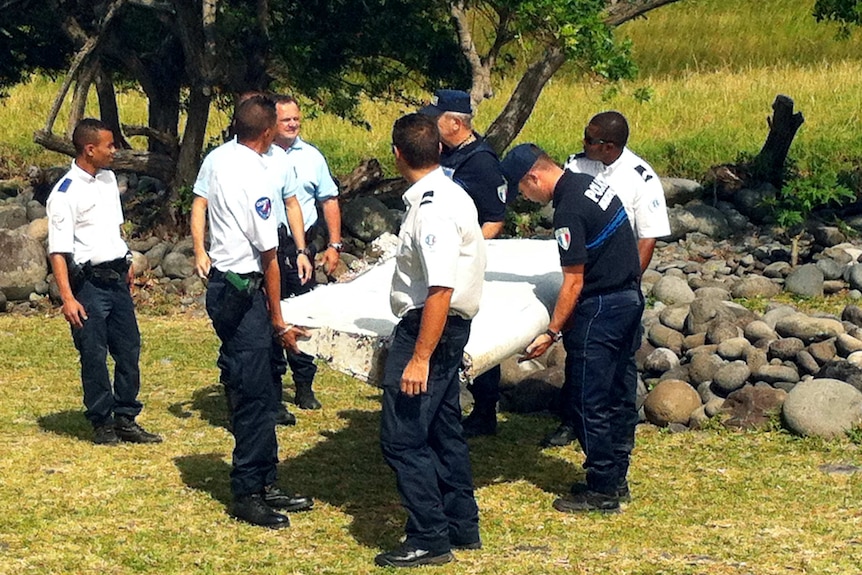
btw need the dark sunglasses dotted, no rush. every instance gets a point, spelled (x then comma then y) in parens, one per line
(593, 141)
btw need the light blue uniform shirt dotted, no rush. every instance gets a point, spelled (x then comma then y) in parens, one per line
(314, 182)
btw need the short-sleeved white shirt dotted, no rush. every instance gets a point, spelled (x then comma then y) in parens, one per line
(240, 208)
(284, 185)
(85, 215)
(441, 245)
(638, 187)
(314, 181)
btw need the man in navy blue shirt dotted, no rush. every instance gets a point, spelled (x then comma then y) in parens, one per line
(472, 164)
(597, 314)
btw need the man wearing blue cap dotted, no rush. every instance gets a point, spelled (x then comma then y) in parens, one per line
(597, 315)
(472, 163)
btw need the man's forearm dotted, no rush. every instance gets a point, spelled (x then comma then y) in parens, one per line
(61, 275)
(570, 291)
(198, 224)
(646, 246)
(332, 217)
(434, 315)
(272, 286)
(491, 230)
(295, 221)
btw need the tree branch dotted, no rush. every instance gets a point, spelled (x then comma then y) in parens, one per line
(621, 11)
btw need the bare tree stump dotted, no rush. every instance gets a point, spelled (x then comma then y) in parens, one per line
(782, 129)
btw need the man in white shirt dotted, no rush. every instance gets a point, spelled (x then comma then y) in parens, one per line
(244, 304)
(436, 288)
(92, 268)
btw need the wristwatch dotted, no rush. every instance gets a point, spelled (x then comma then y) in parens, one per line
(305, 251)
(555, 335)
(337, 246)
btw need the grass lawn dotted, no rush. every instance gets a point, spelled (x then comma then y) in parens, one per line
(711, 502)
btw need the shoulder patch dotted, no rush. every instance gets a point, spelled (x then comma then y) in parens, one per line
(574, 157)
(564, 237)
(64, 185)
(643, 173)
(503, 191)
(263, 207)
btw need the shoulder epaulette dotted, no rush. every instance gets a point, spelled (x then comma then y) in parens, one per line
(643, 173)
(427, 197)
(65, 185)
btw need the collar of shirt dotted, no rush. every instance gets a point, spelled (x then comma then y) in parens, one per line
(611, 168)
(79, 174)
(245, 153)
(414, 193)
(298, 144)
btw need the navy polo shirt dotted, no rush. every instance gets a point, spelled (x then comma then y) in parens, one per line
(592, 228)
(475, 168)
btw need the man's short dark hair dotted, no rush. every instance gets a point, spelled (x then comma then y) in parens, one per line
(612, 126)
(418, 140)
(284, 99)
(87, 132)
(253, 117)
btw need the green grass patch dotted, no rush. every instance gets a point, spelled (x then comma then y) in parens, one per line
(714, 502)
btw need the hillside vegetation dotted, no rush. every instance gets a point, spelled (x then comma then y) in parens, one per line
(709, 71)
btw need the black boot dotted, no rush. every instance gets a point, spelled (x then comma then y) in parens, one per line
(252, 509)
(283, 416)
(481, 421)
(305, 397)
(129, 431)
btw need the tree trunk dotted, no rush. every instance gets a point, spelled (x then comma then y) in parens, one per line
(158, 166)
(511, 120)
(193, 139)
(782, 129)
(86, 75)
(108, 107)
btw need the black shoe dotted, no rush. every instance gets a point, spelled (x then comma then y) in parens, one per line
(563, 435)
(304, 398)
(105, 435)
(252, 509)
(409, 556)
(588, 501)
(623, 493)
(464, 545)
(283, 416)
(480, 422)
(129, 431)
(277, 499)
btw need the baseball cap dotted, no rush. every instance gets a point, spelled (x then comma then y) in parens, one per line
(448, 101)
(517, 163)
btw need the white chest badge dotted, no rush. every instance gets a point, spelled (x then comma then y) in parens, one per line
(502, 189)
(430, 240)
(564, 237)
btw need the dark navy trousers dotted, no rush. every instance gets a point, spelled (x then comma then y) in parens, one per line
(486, 389)
(301, 364)
(243, 326)
(599, 393)
(110, 326)
(422, 440)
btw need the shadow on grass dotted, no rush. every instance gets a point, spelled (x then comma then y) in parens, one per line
(206, 472)
(210, 404)
(348, 471)
(71, 423)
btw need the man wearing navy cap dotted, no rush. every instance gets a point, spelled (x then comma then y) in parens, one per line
(597, 314)
(472, 163)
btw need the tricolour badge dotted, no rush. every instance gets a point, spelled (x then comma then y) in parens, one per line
(564, 237)
(430, 240)
(263, 207)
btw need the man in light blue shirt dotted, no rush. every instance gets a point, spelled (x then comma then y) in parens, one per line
(314, 185)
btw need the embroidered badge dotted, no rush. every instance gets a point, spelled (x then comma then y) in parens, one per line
(263, 207)
(654, 205)
(502, 190)
(564, 237)
(430, 240)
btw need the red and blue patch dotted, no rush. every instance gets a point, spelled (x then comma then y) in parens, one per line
(263, 207)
